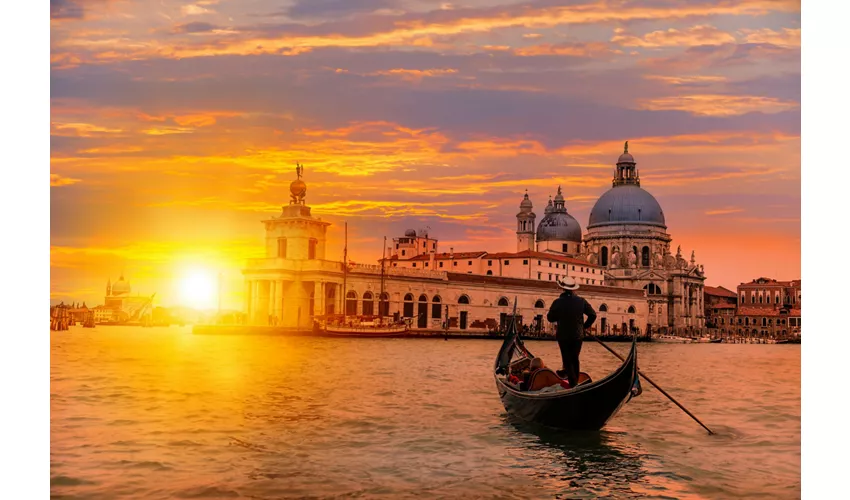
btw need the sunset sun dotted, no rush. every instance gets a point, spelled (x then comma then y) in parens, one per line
(198, 289)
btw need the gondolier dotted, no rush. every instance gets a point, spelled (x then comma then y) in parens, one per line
(568, 311)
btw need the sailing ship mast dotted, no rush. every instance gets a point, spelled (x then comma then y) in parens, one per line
(344, 275)
(381, 296)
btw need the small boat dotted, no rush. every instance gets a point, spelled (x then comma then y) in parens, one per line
(588, 406)
(364, 330)
(707, 340)
(671, 339)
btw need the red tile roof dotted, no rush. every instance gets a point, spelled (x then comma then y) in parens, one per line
(441, 256)
(764, 311)
(547, 285)
(525, 254)
(719, 291)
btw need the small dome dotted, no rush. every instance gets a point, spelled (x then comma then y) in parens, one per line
(410, 233)
(298, 188)
(559, 226)
(525, 205)
(549, 207)
(626, 158)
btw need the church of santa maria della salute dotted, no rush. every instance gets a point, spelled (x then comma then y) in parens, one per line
(622, 262)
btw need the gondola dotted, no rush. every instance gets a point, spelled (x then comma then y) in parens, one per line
(588, 406)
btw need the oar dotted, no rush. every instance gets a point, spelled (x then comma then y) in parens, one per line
(710, 432)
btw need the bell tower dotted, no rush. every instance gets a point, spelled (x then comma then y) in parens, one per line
(525, 225)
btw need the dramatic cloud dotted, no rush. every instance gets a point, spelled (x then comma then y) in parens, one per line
(175, 126)
(697, 35)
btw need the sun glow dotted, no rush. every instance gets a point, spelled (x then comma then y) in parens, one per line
(198, 288)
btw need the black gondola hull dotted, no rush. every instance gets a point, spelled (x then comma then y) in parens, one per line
(587, 407)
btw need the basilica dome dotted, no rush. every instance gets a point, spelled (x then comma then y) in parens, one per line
(626, 204)
(121, 287)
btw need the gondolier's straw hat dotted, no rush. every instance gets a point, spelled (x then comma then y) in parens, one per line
(568, 283)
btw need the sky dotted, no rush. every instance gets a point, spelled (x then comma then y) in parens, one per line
(176, 126)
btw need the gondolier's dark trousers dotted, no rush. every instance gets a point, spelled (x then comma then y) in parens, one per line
(570, 350)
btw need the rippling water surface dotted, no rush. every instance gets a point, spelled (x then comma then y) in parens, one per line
(162, 413)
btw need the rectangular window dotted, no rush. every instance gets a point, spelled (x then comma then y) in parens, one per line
(550, 264)
(574, 268)
(454, 263)
(414, 264)
(395, 264)
(441, 264)
(540, 276)
(489, 262)
(402, 253)
(507, 262)
(550, 276)
(311, 248)
(281, 248)
(426, 264)
(565, 248)
(538, 262)
(469, 263)
(525, 262)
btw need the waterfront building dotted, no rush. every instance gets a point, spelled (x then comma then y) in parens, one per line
(627, 236)
(623, 264)
(120, 305)
(769, 308)
(720, 307)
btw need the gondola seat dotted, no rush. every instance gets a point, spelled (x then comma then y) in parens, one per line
(543, 377)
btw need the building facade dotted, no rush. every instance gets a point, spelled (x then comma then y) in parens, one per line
(768, 308)
(623, 264)
(720, 307)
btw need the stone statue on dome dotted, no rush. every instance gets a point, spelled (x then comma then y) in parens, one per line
(693, 258)
(632, 259)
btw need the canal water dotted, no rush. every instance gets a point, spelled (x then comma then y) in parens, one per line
(163, 413)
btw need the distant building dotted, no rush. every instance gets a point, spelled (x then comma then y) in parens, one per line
(769, 308)
(463, 291)
(124, 305)
(720, 307)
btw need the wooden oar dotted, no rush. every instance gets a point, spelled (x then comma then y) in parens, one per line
(710, 432)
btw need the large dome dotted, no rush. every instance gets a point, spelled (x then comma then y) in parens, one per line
(558, 226)
(626, 204)
(121, 287)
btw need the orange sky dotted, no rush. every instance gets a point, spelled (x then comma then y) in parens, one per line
(175, 127)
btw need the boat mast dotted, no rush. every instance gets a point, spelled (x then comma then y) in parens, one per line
(344, 274)
(381, 296)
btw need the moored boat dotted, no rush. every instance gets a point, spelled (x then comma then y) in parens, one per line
(588, 406)
(671, 339)
(366, 330)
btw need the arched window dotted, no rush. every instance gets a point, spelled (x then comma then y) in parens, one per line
(631, 309)
(539, 304)
(436, 307)
(752, 298)
(463, 300)
(603, 256)
(644, 257)
(408, 305)
(603, 308)
(503, 302)
(489, 272)
(760, 299)
(368, 304)
(384, 306)
(351, 303)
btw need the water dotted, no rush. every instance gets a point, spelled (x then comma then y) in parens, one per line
(162, 413)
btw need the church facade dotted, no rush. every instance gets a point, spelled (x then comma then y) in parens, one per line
(622, 263)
